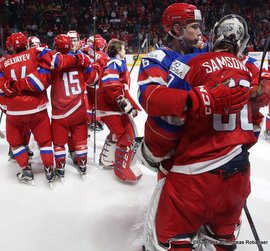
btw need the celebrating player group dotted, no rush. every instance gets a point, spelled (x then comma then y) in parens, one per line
(202, 101)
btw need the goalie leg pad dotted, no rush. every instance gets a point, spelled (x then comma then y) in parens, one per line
(106, 157)
(146, 157)
(122, 165)
(150, 239)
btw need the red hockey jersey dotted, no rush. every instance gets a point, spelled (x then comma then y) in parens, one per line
(210, 142)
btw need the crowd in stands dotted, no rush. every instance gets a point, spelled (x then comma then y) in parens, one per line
(128, 20)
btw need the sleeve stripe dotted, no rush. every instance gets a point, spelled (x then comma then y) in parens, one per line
(157, 80)
(36, 82)
(111, 76)
(55, 61)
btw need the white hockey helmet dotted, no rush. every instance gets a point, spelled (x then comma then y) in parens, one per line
(75, 38)
(73, 34)
(33, 41)
(231, 29)
(90, 40)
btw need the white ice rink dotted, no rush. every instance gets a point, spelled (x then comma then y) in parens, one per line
(101, 213)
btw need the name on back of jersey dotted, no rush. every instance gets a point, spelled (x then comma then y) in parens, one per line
(14, 60)
(179, 69)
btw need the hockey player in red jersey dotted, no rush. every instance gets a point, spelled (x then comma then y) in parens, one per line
(267, 118)
(75, 38)
(101, 58)
(27, 134)
(69, 109)
(182, 23)
(211, 157)
(261, 98)
(115, 101)
(69, 114)
(33, 42)
(28, 110)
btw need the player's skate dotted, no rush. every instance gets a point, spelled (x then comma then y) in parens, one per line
(60, 170)
(106, 157)
(26, 176)
(122, 165)
(82, 167)
(267, 135)
(11, 156)
(50, 175)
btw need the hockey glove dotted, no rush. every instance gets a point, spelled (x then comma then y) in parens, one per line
(260, 96)
(125, 106)
(82, 60)
(7, 87)
(96, 66)
(217, 98)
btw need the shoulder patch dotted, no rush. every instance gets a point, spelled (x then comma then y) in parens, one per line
(179, 69)
(157, 54)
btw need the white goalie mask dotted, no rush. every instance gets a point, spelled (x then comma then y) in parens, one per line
(231, 29)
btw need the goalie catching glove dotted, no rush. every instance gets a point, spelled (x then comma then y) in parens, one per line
(125, 106)
(217, 98)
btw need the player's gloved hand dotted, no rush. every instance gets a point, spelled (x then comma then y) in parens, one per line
(96, 66)
(125, 106)
(260, 95)
(82, 60)
(7, 87)
(217, 98)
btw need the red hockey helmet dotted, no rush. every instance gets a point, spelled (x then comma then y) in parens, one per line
(8, 44)
(33, 42)
(100, 42)
(62, 43)
(16, 41)
(181, 13)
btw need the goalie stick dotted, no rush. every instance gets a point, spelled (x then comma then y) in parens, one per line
(253, 229)
(137, 56)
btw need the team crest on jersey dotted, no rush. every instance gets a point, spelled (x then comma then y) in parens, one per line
(158, 54)
(179, 69)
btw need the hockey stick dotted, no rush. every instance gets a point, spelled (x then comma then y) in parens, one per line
(137, 56)
(253, 229)
(95, 91)
(266, 48)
